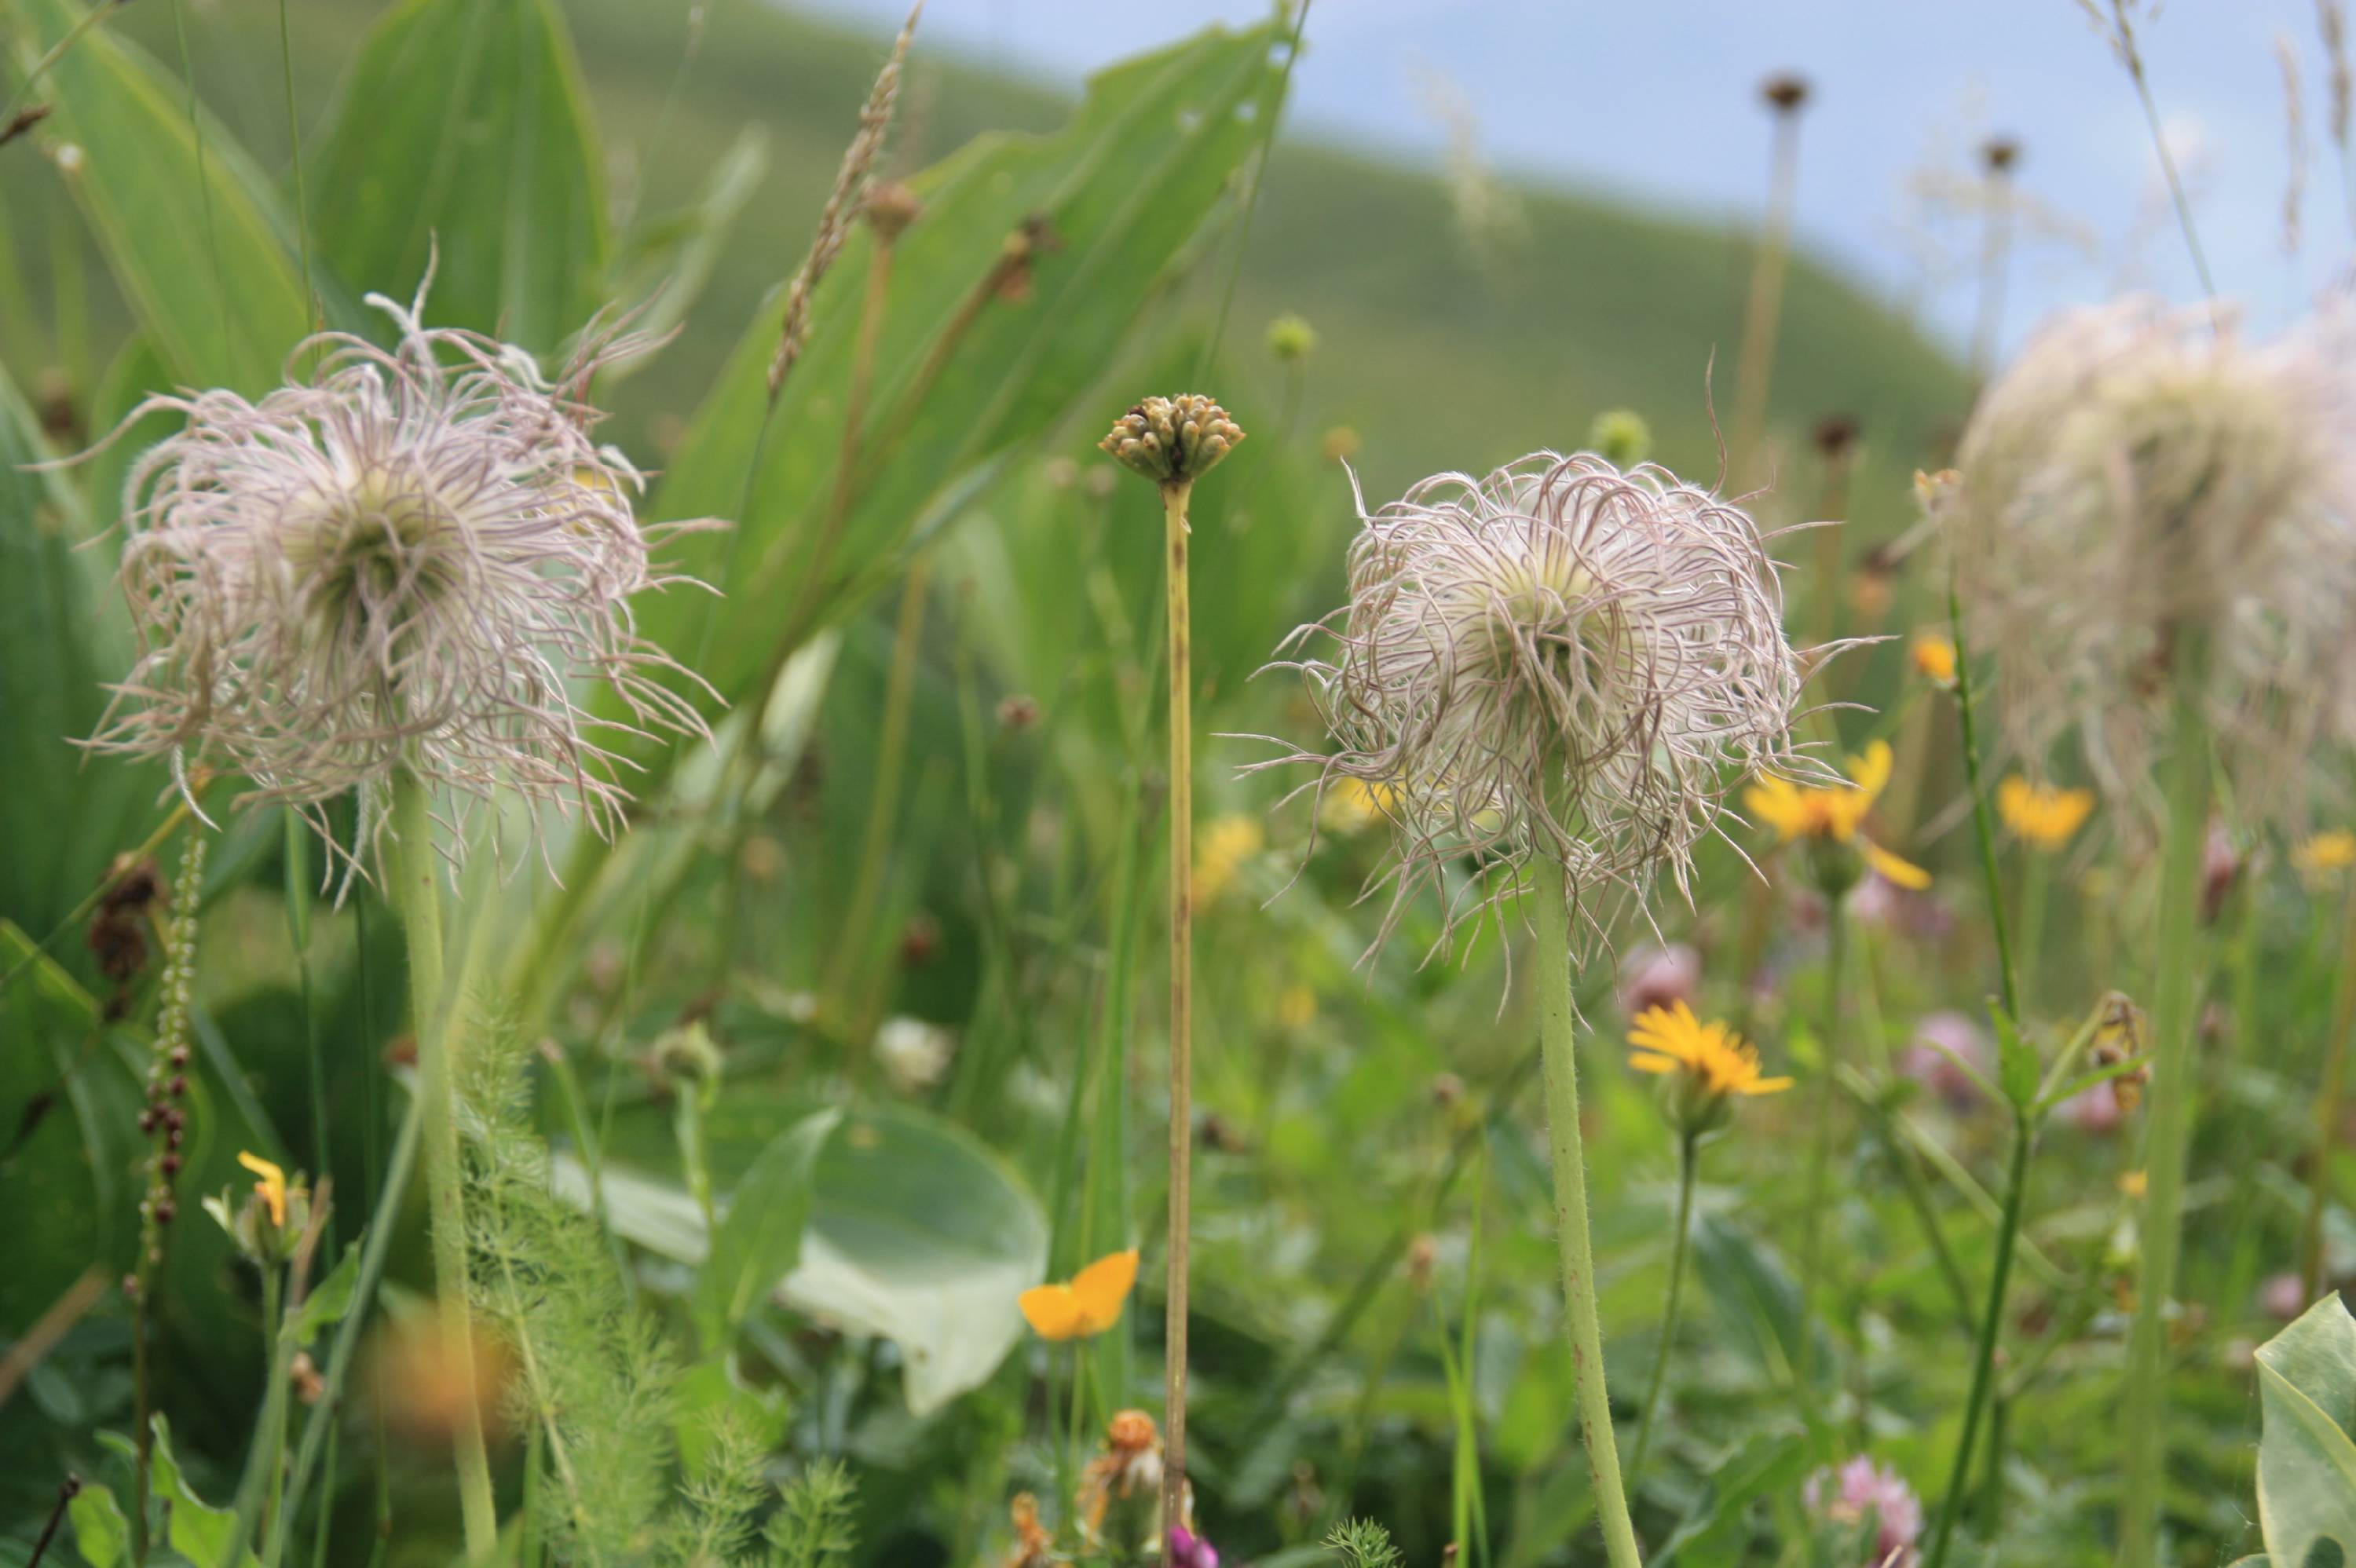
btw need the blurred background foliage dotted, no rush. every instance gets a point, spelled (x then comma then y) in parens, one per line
(933, 800)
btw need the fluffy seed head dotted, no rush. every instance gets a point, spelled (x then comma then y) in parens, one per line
(2144, 482)
(1172, 441)
(1561, 659)
(407, 559)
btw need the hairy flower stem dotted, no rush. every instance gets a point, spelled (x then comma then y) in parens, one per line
(1559, 1046)
(415, 887)
(1983, 817)
(1687, 1153)
(2176, 1000)
(2327, 1111)
(1820, 1156)
(1175, 495)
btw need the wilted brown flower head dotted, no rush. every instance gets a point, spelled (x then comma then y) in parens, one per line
(2146, 499)
(1560, 659)
(1786, 91)
(411, 559)
(1172, 441)
(2000, 153)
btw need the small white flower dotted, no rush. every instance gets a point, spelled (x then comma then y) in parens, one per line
(408, 560)
(915, 1054)
(1560, 659)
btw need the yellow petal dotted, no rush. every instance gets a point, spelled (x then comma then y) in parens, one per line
(1645, 1063)
(1870, 772)
(1099, 1289)
(273, 1185)
(1905, 873)
(1777, 802)
(1052, 1310)
(1767, 1086)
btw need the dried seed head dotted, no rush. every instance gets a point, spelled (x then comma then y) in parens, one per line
(2000, 153)
(1563, 659)
(409, 560)
(1172, 441)
(1786, 91)
(889, 206)
(2144, 498)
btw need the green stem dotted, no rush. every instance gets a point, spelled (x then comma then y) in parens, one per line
(266, 1462)
(1559, 1046)
(1678, 1248)
(1991, 1324)
(413, 873)
(1820, 1153)
(2035, 887)
(1983, 818)
(2176, 999)
(2326, 1112)
(1182, 1013)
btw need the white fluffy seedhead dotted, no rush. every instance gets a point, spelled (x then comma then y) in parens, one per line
(406, 558)
(2144, 481)
(1560, 659)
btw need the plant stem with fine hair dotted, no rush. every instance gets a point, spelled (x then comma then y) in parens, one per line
(1687, 1152)
(1559, 1047)
(416, 894)
(2175, 1001)
(1820, 1153)
(1174, 495)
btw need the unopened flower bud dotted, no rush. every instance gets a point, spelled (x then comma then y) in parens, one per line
(890, 207)
(1172, 441)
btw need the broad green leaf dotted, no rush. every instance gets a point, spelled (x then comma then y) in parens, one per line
(462, 137)
(962, 374)
(1752, 1289)
(100, 1532)
(65, 813)
(664, 261)
(917, 1234)
(2307, 1459)
(195, 1530)
(326, 1304)
(760, 1236)
(189, 225)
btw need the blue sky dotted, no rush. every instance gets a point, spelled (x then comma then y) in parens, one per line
(1655, 100)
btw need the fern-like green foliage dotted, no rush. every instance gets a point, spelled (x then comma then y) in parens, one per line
(1363, 1543)
(595, 1382)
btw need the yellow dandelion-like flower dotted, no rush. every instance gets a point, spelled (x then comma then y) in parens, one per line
(273, 1185)
(1835, 814)
(1671, 1040)
(1934, 658)
(2039, 815)
(1226, 845)
(2334, 849)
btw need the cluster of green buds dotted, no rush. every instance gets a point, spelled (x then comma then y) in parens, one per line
(1172, 441)
(269, 1224)
(1292, 339)
(1620, 437)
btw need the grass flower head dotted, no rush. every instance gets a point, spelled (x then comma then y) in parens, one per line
(409, 558)
(1560, 659)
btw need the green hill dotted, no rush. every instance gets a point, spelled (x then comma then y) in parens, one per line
(1438, 358)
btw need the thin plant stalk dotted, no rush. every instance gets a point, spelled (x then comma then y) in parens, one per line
(1995, 250)
(414, 877)
(1820, 1153)
(2174, 1002)
(2024, 1128)
(1763, 311)
(2131, 56)
(1559, 1047)
(1689, 1151)
(1182, 1011)
(2327, 1111)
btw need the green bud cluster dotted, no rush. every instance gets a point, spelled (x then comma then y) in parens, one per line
(1172, 441)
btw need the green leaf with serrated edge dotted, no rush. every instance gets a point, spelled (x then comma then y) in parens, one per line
(461, 138)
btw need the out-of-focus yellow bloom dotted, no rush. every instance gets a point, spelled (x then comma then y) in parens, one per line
(1719, 1061)
(2334, 849)
(2039, 815)
(273, 1185)
(1089, 1303)
(1226, 845)
(2134, 1183)
(1352, 805)
(1297, 1008)
(1341, 444)
(1934, 657)
(1835, 814)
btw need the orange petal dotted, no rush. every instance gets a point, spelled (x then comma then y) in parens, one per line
(1050, 1309)
(1099, 1289)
